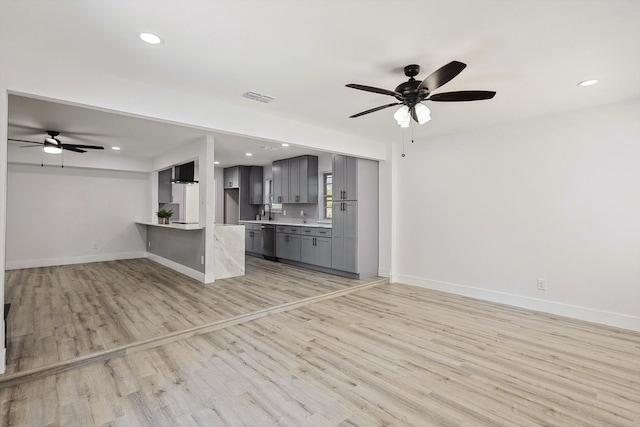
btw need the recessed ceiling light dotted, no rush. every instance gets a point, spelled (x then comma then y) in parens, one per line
(150, 38)
(248, 154)
(285, 145)
(588, 82)
(216, 163)
(115, 148)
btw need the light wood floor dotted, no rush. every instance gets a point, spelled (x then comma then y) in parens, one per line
(60, 313)
(388, 355)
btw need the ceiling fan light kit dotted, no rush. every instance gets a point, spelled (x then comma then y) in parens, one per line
(51, 148)
(412, 93)
(402, 116)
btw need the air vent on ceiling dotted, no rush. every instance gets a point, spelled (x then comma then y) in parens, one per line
(258, 97)
(267, 147)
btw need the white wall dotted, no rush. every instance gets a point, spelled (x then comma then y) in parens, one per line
(56, 215)
(486, 214)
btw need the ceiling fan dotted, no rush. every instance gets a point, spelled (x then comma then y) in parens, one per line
(53, 145)
(413, 92)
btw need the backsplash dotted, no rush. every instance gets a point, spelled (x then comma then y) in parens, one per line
(311, 213)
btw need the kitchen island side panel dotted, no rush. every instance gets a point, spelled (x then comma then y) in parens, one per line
(185, 247)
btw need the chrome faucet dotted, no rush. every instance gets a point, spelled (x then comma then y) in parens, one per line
(264, 210)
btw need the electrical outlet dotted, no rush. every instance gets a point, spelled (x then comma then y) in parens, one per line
(202, 260)
(542, 285)
(149, 243)
(95, 245)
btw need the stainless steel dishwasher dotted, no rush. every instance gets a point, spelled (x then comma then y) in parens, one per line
(269, 241)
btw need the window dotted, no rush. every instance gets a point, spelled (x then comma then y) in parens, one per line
(327, 180)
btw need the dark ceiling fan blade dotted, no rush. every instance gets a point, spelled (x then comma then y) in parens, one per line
(374, 89)
(463, 95)
(91, 147)
(442, 75)
(72, 148)
(382, 107)
(22, 140)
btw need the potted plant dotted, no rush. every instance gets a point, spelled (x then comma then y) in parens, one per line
(164, 215)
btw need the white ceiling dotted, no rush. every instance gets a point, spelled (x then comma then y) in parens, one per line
(532, 53)
(135, 136)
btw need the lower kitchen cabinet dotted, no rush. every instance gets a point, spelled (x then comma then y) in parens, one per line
(253, 239)
(316, 251)
(345, 236)
(288, 243)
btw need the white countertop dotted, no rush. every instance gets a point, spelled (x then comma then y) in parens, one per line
(187, 227)
(296, 224)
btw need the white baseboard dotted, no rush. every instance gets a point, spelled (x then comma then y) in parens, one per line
(194, 274)
(552, 307)
(48, 262)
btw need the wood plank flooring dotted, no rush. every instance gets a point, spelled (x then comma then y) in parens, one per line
(61, 313)
(391, 355)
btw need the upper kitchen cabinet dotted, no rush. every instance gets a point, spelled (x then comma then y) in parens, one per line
(256, 184)
(345, 178)
(164, 186)
(232, 177)
(280, 170)
(295, 180)
(303, 179)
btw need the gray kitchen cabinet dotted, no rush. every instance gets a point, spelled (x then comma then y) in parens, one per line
(324, 246)
(280, 170)
(344, 236)
(256, 185)
(354, 243)
(232, 177)
(295, 180)
(316, 250)
(164, 186)
(345, 178)
(303, 179)
(253, 238)
(288, 243)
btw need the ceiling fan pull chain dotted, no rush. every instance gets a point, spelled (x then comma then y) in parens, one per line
(402, 130)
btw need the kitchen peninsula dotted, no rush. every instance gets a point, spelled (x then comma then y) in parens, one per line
(181, 247)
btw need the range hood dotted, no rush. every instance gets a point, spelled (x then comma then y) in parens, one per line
(184, 174)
